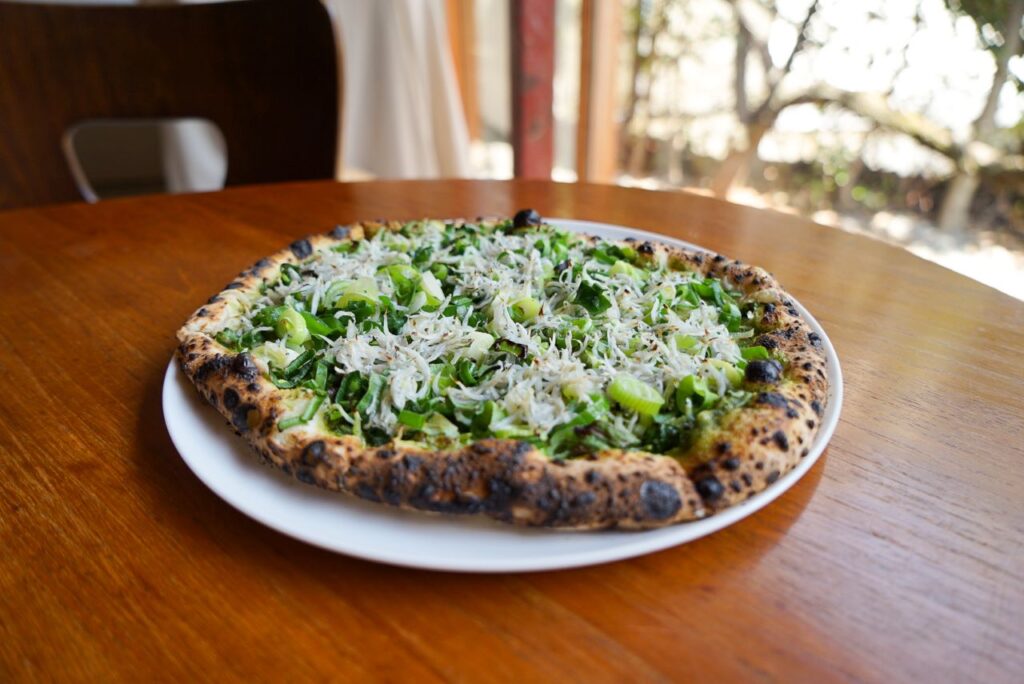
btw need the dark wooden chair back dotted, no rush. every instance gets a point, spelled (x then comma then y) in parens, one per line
(264, 71)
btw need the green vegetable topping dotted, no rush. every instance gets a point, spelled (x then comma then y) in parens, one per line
(443, 333)
(635, 395)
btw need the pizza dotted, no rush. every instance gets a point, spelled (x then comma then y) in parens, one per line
(512, 369)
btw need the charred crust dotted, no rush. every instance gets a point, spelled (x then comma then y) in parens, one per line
(301, 248)
(259, 266)
(709, 488)
(660, 499)
(244, 367)
(210, 367)
(214, 299)
(646, 248)
(732, 463)
(767, 372)
(816, 407)
(234, 285)
(231, 399)
(242, 416)
(339, 232)
(314, 454)
(771, 399)
(523, 219)
(780, 439)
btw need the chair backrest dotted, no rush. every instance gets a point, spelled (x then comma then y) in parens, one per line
(264, 71)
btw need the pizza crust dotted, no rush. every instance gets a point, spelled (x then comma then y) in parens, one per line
(512, 481)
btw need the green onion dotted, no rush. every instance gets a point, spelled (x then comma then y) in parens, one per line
(696, 389)
(464, 368)
(422, 255)
(411, 419)
(755, 353)
(315, 325)
(320, 376)
(629, 270)
(370, 398)
(297, 363)
(342, 293)
(439, 425)
(524, 309)
(732, 374)
(440, 271)
(289, 423)
(291, 327)
(228, 338)
(311, 408)
(288, 271)
(635, 395)
(488, 413)
(592, 298)
(405, 279)
(686, 342)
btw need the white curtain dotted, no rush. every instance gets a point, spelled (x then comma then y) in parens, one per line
(402, 115)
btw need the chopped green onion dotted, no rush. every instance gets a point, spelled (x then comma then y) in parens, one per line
(411, 419)
(297, 363)
(524, 309)
(439, 271)
(291, 327)
(755, 353)
(316, 326)
(289, 423)
(628, 270)
(592, 298)
(635, 395)
(307, 415)
(464, 369)
(405, 279)
(439, 425)
(696, 389)
(320, 376)
(311, 408)
(686, 342)
(732, 373)
(372, 391)
(342, 293)
(228, 338)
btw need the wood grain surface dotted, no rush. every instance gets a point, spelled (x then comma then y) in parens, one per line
(266, 73)
(898, 558)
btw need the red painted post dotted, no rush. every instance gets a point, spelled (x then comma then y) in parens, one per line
(533, 72)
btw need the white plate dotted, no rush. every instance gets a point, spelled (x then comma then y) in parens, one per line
(377, 532)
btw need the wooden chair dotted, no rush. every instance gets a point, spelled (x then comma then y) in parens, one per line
(264, 71)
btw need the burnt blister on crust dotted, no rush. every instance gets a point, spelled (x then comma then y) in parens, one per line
(767, 371)
(301, 248)
(512, 481)
(661, 501)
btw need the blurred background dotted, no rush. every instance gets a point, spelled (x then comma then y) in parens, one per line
(898, 119)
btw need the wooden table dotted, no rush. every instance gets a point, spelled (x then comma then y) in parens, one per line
(898, 558)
